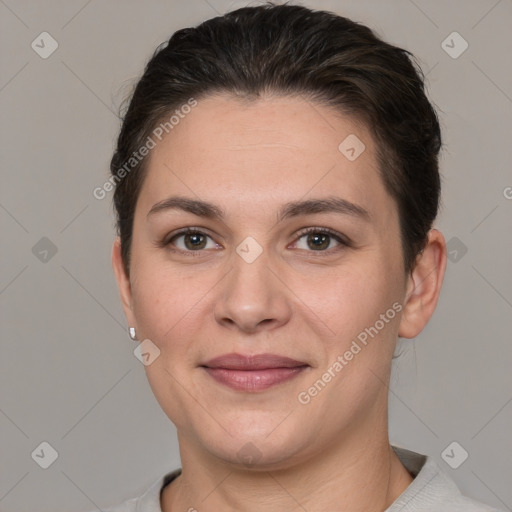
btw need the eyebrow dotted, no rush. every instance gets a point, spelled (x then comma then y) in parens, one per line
(331, 204)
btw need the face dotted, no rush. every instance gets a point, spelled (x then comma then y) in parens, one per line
(296, 255)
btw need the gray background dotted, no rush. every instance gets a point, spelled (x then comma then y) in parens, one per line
(68, 375)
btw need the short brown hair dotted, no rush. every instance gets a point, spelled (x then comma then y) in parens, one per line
(293, 50)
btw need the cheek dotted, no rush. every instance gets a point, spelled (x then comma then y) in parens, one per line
(350, 299)
(169, 312)
(364, 309)
(167, 302)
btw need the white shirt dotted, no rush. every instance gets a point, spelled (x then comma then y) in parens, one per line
(432, 490)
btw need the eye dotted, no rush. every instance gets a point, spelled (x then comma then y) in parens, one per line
(192, 240)
(320, 240)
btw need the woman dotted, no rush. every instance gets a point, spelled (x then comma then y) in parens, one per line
(276, 185)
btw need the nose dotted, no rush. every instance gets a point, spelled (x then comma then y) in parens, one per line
(252, 297)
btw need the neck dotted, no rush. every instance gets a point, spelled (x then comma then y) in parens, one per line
(365, 476)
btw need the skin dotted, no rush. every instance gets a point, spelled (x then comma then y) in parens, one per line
(294, 300)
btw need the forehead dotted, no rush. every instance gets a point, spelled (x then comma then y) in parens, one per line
(264, 151)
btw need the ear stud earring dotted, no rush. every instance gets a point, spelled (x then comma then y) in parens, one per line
(131, 331)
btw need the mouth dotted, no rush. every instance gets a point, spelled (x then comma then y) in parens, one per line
(253, 373)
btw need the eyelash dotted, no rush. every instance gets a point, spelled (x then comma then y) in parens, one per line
(167, 242)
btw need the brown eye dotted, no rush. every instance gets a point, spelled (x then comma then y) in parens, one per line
(191, 240)
(194, 241)
(320, 240)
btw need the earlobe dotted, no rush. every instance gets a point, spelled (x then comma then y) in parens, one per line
(123, 281)
(424, 286)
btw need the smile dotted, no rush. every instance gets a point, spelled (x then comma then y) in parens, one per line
(253, 373)
(253, 380)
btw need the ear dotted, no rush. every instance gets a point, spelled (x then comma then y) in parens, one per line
(424, 286)
(123, 282)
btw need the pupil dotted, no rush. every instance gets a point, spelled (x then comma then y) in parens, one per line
(195, 240)
(319, 237)
(319, 241)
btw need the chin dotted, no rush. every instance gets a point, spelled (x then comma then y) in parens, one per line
(258, 441)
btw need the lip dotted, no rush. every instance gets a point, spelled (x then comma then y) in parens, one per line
(253, 373)
(236, 361)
